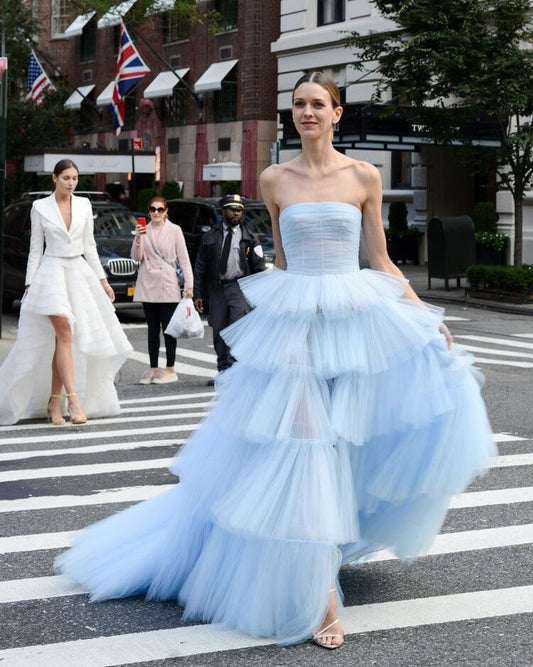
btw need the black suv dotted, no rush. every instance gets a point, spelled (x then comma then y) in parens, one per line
(196, 216)
(114, 228)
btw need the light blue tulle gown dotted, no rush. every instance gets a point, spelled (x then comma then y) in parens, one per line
(344, 428)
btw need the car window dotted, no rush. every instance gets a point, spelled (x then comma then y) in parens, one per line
(114, 222)
(258, 221)
(190, 215)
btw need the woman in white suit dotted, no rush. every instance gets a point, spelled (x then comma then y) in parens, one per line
(66, 318)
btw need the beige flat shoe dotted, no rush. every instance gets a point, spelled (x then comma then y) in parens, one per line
(164, 377)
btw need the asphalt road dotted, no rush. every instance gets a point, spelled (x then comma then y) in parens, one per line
(469, 602)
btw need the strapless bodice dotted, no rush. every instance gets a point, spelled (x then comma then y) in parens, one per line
(321, 237)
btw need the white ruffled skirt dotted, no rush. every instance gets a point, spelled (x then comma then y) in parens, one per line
(66, 287)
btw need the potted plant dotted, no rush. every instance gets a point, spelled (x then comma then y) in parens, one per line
(402, 239)
(501, 283)
(491, 246)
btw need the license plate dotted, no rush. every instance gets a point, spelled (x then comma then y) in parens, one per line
(131, 290)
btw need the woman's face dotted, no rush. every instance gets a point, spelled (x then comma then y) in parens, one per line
(66, 182)
(313, 112)
(158, 211)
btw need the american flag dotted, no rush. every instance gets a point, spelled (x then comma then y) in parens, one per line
(129, 70)
(38, 85)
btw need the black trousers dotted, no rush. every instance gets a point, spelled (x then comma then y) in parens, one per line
(226, 305)
(157, 317)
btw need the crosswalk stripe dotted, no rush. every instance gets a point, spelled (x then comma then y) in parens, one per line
(468, 540)
(496, 341)
(522, 335)
(193, 640)
(91, 449)
(138, 444)
(497, 352)
(507, 461)
(82, 434)
(163, 408)
(166, 397)
(104, 421)
(520, 494)
(181, 368)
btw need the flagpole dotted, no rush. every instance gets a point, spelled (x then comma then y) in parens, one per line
(3, 135)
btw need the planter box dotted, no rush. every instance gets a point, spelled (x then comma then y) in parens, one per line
(404, 249)
(500, 295)
(485, 255)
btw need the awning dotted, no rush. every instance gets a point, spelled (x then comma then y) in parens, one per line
(164, 83)
(77, 97)
(213, 76)
(79, 23)
(106, 96)
(221, 171)
(115, 14)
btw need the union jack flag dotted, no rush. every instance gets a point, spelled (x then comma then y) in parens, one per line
(130, 70)
(38, 85)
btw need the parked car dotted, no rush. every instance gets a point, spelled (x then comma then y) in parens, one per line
(114, 228)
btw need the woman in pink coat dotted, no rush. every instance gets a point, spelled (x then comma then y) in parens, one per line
(156, 247)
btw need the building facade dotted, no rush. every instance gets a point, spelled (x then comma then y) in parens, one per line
(432, 180)
(207, 110)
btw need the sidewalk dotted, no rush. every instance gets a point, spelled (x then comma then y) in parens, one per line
(418, 279)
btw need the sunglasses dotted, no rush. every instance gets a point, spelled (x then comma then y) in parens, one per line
(157, 209)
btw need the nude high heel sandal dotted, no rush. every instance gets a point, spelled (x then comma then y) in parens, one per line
(56, 421)
(79, 418)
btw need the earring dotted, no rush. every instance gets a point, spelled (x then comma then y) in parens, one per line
(335, 127)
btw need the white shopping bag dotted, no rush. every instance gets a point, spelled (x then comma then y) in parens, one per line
(185, 322)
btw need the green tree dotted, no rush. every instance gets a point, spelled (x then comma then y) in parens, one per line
(454, 61)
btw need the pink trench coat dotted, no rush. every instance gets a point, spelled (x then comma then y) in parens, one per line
(156, 281)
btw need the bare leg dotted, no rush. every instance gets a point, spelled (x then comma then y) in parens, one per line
(54, 402)
(330, 634)
(63, 366)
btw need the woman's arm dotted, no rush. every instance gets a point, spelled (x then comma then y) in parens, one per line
(268, 182)
(89, 244)
(36, 246)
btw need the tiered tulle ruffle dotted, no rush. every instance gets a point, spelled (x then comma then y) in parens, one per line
(344, 428)
(68, 288)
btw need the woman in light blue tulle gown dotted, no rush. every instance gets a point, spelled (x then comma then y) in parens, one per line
(346, 426)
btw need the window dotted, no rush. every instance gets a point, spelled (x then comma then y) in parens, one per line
(175, 27)
(175, 107)
(330, 11)
(60, 20)
(226, 99)
(173, 145)
(400, 169)
(224, 144)
(229, 12)
(88, 42)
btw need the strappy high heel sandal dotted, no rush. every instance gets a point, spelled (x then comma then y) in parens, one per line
(54, 419)
(323, 633)
(79, 418)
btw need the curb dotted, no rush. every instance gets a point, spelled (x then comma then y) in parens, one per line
(496, 306)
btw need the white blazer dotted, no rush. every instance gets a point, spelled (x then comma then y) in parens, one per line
(47, 226)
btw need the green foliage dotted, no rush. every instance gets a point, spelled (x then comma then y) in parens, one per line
(171, 190)
(517, 279)
(491, 240)
(143, 198)
(232, 188)
(398, 227)
(485, 217)
(455, 62)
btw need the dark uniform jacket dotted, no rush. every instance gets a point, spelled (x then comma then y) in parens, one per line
(206, 275)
